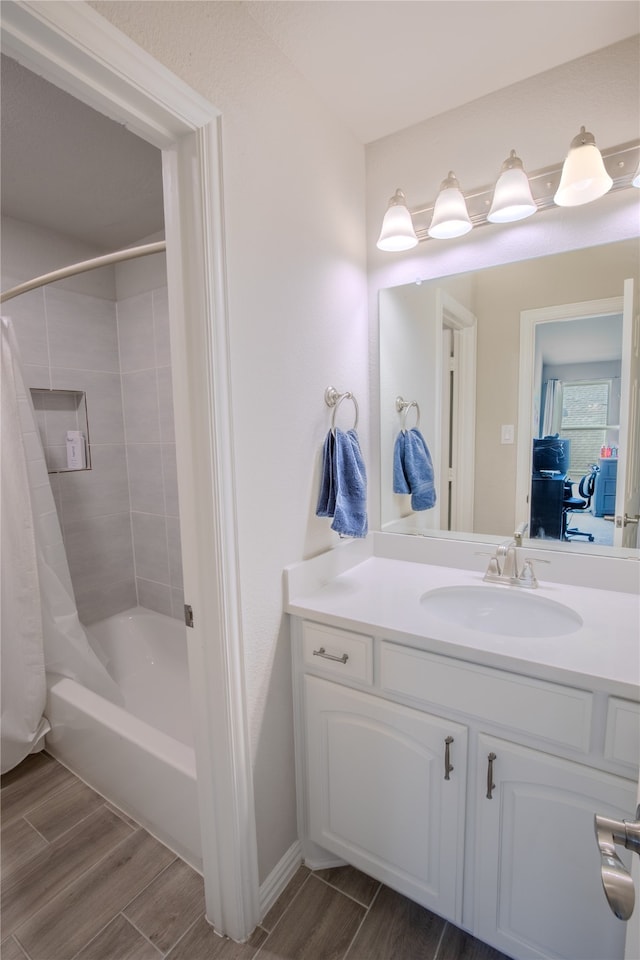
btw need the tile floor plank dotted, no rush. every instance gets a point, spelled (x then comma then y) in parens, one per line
(29, 887)
(352, 882)
(165, 910)
(38, 777)
(19, 843)
(64, 810)
(74, 916)
(201, 942)
(119, 941)
(396, 928)
(285, 897)
(10, 950)
(319, 925)
(458, 945)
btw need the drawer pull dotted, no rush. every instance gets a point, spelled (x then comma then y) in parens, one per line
(329, 656)
(448, 766)
(490, 784)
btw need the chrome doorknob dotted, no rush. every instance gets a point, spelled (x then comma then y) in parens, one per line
(616, 879)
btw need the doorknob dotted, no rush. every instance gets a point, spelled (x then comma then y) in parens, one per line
(622, 521)
(616, 879)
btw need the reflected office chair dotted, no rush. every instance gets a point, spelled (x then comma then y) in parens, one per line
(571, 504)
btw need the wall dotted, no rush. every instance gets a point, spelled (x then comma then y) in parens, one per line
(538, 117)
(145, 366)
(294, 210)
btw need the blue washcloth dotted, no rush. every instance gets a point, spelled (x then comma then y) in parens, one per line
(413, 470)
(343, 485)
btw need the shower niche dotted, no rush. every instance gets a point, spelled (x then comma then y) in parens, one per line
(62, 419)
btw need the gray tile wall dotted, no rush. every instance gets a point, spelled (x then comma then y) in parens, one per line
(120, 519)
(145, 364)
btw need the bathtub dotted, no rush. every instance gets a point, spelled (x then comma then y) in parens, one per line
(138, 756)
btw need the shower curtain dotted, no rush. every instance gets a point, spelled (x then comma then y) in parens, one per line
(41, 632)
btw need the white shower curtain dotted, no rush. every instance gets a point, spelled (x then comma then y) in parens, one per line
(40, 626)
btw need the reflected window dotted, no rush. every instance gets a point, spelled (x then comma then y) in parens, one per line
(585, 417)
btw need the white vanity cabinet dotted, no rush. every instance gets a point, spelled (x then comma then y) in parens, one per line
(386, 791)
(393, 751)
(538, 891)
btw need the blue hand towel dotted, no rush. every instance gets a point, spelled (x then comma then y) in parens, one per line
(413, 470)
(343, 484)
(350, 518)
(400, 482)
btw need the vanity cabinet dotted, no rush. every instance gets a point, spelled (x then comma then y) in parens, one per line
(386, 791)
(470, 789)
(537, 884)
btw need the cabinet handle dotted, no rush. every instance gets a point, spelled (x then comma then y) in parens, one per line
(490, 784)
(448, 767)
(329, 656)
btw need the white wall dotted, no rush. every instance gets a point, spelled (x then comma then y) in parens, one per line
(538, 118)
(294, 209)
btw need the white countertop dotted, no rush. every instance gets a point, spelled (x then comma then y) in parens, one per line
(381, 596)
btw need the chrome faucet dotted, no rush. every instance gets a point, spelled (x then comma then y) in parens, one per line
(504, 568)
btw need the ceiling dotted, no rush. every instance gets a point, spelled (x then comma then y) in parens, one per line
(379, 65)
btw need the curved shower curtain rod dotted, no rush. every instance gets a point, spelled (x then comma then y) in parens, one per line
(128, 254)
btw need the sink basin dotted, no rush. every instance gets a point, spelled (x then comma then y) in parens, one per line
(506, 611)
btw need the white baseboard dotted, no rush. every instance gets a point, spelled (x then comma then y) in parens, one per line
(279, 877)
(318, 863)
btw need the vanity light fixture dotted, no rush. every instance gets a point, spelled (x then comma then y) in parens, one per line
(397, 231)
(512, 197)
(450, 214)
(584, 176)
(515, 196)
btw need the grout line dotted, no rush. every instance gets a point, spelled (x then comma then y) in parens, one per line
(161, 953)
(348, 895)
(366, 914)
(283, 914)
(444, 930)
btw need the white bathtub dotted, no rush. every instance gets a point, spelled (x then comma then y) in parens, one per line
(140, 756)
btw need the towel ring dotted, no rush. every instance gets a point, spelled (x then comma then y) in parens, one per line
(333, 399)
(403, 406)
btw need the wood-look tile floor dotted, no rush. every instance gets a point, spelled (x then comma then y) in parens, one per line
(81, 881)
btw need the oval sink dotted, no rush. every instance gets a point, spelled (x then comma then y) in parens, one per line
(503, 610)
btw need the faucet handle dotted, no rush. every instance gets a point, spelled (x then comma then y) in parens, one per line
(527, 577)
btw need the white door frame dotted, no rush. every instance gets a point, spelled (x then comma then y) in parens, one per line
(464, 324)
(73, 47)
(529, 319)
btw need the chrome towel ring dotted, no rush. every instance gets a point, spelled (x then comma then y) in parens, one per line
(403, 406)
(333, 399)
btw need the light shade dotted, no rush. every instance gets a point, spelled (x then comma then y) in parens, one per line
(397, 231)
(636, 178)
(584, 177)
(512, 198)
(450, 214)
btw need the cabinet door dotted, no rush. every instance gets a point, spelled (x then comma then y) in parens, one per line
(537, 874)
(380, 795)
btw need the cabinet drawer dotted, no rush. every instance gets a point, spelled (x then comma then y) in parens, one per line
(348, 655)
(622, 742)
(558, 714)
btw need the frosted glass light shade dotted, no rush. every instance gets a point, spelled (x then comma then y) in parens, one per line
(584, 177)
(512, 198)
(636, 178)
(397, 231)
(450, 215)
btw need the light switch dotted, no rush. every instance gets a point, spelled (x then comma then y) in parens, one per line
(507, 433)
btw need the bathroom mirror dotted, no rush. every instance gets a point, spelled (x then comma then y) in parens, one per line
(453, 347)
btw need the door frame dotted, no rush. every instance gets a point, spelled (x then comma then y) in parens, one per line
(529, 319)
(73, 47)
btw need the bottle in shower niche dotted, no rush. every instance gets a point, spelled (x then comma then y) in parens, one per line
(76, 452)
